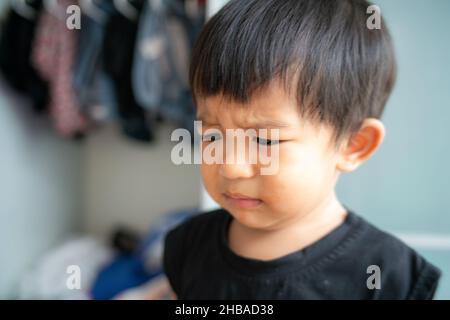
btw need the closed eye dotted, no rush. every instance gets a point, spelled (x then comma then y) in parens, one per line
(267, 142)
(211, 137)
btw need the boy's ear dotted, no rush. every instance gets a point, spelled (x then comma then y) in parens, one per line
(361, 146)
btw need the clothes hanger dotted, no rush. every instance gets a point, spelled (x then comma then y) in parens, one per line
(93, 11)
(24, 9)
(126, 9)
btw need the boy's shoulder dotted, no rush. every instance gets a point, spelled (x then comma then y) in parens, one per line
(194, 228)
(402, 270)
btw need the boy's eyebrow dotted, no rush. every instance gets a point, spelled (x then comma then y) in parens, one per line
(263, 124)
(267, 124)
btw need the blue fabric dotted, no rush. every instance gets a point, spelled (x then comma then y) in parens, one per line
(129, 271)
(124, 272)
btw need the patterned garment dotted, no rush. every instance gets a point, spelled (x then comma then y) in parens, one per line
(166, 36)
(53, 56)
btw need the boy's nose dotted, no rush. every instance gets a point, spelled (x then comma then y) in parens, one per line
(237, 170)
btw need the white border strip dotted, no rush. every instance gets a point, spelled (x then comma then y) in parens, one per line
(431, 241)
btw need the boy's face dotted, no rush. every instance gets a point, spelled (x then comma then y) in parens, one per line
(306, 174)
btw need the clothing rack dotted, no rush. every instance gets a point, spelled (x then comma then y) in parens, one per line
(127, 63)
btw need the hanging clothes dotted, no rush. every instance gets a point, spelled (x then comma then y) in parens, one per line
(95, 89)
(17, 36)
(117, 54)
(54, 55)
(166, 36)
(133, 70)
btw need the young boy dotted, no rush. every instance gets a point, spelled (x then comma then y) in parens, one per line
(314, 71)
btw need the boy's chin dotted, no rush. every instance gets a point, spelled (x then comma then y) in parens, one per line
(252, 219)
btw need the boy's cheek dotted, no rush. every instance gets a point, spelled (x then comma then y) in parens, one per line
(211, 181)
(207, 177)
(295, 184)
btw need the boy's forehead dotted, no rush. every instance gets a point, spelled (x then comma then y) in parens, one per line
(257, 115)
(272, 103)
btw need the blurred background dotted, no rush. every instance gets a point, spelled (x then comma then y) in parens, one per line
(86, 112)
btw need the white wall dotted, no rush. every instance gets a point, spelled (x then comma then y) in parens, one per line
(213, 6)
(40, 191)
(131, 183)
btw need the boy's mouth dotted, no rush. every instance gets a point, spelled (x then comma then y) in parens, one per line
(241, 201)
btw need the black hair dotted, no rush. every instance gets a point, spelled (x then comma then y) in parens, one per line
(342, 71)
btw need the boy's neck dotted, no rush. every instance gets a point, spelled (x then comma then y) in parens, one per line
(296, 235)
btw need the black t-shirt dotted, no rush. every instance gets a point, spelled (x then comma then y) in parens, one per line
(200, 265)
